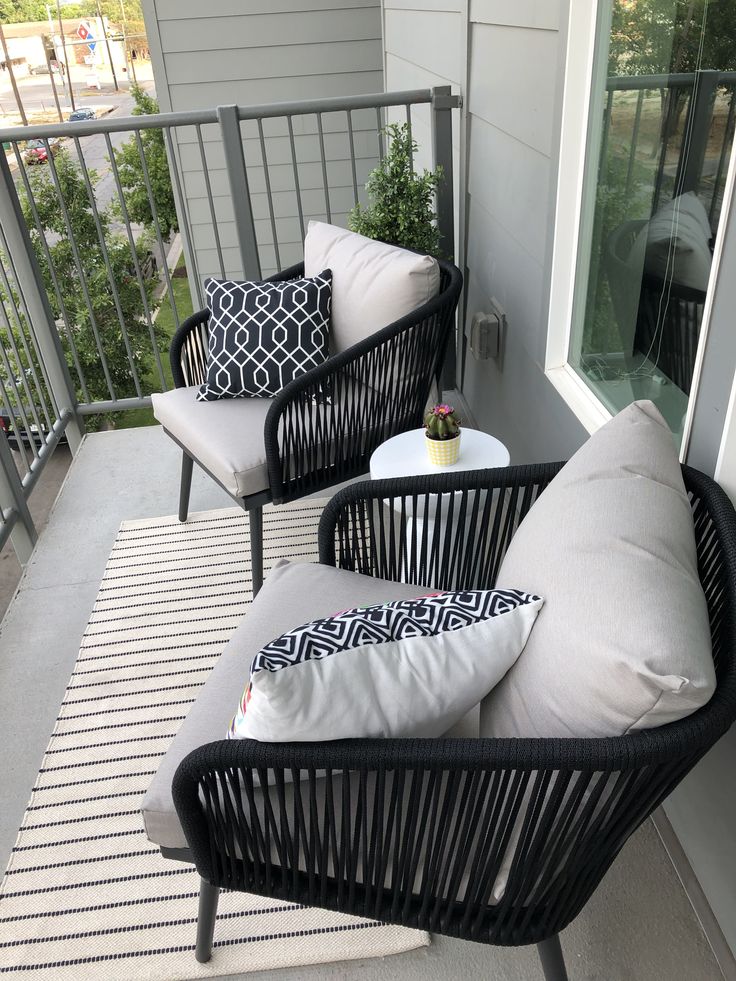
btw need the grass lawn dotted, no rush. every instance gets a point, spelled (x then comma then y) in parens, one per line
(167, 325)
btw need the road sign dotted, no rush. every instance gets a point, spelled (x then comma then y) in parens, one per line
(84, 31)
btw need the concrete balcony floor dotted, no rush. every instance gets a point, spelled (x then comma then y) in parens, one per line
(639, 926)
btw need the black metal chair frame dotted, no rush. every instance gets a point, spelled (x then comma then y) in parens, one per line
(443, 812)
(377, 388)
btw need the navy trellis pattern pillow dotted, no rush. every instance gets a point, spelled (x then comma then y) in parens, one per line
(264, 335)
(403, 668)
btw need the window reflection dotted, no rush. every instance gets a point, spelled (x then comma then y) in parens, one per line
(659, 169)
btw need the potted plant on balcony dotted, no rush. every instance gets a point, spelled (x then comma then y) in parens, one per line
(442, 435)
(402, 201)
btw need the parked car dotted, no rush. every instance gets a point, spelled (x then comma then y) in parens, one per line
(38, 70)
(83, 112)
(36, 152)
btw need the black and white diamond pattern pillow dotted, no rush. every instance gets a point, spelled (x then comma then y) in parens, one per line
(404, 668)
(264, 335)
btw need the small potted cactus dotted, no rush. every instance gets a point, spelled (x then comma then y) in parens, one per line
(442, 435)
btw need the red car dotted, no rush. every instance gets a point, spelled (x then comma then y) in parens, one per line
(36, 151)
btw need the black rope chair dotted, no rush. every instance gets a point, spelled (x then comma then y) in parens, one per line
(322, 428)
(415, 832)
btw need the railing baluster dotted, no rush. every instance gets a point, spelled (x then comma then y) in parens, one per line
(52, 272)
(210, 201)
(17, 522)
(351, 142)
(154, 216)
(409, 133)
(186, 232)
(27, 273)
(269, 196)
(323, 156)
(634, 140)
(134, 256)
(17, 409)
(295, 167)
(82, 277)
(108, 267)
(25, 321)
(602, 161)
(728, 133)
(17, 374)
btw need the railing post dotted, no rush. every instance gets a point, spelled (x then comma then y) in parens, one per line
(239, 191)
(443, 102)
(30, 283)
(14, 505)
(697, 131)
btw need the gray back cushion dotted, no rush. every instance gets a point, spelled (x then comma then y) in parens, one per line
(623, 640)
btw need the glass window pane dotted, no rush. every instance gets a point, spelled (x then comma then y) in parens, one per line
(657, 163)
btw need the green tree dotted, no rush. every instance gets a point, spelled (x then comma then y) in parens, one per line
(23, 11)
(649, 37)
(132, 176)
(92, 261)
(401, 209)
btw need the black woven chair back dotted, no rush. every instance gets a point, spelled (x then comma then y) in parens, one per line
(665, 316)
(498, 841)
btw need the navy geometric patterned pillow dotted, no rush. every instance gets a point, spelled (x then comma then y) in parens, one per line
(403, 668)
(264, 335)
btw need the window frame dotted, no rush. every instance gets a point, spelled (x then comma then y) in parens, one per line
(583, 104)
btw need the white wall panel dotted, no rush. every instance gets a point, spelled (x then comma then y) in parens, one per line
(263, 52)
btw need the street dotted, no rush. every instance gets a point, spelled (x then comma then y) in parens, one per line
(36, 94)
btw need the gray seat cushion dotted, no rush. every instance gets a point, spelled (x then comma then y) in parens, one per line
(226, 436)
(293, 593)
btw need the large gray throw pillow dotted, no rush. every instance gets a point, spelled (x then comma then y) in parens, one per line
(623, 641)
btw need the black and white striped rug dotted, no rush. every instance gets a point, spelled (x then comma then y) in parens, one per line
(85, 895)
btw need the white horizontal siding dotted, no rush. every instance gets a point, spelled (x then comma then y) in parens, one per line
(518, 192)
(268, 51)
(426, 6)
(511, 82)
(192, 9)
(205, 95)
(539, 14)
(266, 30)
(428, 40)
(281, 62)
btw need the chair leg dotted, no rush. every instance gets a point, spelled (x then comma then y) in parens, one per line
(256, 547)
(553, 963)
(208, 896)
(187, 464)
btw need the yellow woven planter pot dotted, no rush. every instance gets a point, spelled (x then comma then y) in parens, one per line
(443, 452)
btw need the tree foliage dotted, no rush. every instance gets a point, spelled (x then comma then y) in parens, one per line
(132, 176)
(23, 11)
(402, 201)
(95, 276)
(650, 37)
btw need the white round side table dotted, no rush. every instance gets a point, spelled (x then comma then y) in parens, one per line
(406, 455)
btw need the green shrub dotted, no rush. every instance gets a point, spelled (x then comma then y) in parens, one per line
(402, 201)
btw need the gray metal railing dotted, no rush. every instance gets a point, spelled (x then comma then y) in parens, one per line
(692, 136)
(84, 325)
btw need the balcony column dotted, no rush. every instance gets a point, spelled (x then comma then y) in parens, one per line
(30, 282)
